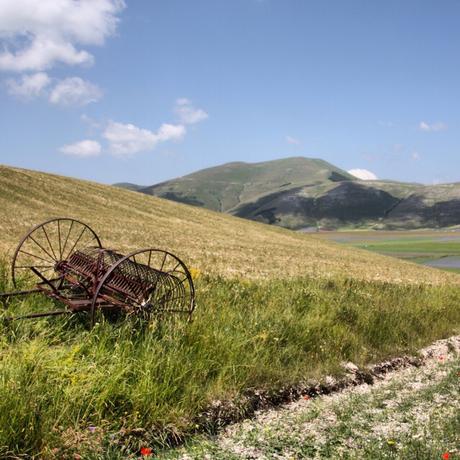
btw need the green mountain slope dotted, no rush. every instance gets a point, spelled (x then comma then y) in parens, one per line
(300, 193)
(224, 187)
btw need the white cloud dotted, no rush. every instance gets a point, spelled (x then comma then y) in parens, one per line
(38, 34)
(432, 127)
(292, 140)
(74, 92)
(168, 132)
(187, 113)
(128, 139)
(362, 174)
(29, 86)
(86, 148)
(415, 156)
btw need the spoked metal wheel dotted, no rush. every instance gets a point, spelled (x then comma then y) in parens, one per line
(146, 283)
(49, 243)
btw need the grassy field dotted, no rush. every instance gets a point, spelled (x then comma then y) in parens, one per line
(423, 247)
(141, 384)
(275, 308)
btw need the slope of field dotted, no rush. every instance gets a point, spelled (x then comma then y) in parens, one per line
(211, 242)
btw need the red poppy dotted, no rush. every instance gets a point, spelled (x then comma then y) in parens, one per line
(146, 451)
(445, 455)
(441, 358)
(306, 397)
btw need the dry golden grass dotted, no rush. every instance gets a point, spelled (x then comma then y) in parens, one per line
(211, 242)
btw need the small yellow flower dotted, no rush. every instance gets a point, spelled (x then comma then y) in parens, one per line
(390, 442)
(195, 273)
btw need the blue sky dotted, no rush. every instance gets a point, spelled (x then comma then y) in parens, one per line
(147, 90)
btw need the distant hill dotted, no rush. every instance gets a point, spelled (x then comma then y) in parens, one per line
(128, 186)
(300, 193)
(224, 187)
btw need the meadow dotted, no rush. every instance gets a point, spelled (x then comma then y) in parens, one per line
(66, 389)
(439, 248)
(275, 309)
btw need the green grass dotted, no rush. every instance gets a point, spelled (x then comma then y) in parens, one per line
(145, 384)
(420, 247)
(413, 246)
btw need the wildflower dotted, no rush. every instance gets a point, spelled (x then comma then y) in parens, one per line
(445, 455)
(146, 451)
(92, 429)
(263, 335)
(441, 358)
(390, 442)
(306, 397)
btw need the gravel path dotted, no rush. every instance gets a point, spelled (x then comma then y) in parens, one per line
(411, 412)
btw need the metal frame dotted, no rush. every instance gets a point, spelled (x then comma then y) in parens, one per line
(95, 278)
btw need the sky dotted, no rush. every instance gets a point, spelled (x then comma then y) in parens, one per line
(143, 91)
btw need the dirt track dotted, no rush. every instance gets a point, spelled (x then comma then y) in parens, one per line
(411, 410)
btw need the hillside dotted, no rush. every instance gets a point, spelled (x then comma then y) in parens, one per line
(300, 192)
(214, 243)
(224, 187)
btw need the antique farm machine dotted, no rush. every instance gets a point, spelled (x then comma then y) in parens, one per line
(65, 261)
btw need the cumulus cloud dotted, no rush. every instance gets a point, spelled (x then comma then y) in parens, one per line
(432, 127)
(128, 139)
(292, 140)
(38, 34)
(362, 174)
(86, 148)
(29, 86)
(74, 91)
(187, 113)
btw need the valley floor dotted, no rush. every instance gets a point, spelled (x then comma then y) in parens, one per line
(411, 413)
(435, 248)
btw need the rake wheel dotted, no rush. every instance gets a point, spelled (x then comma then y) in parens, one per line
(146, 282)
(49, 243)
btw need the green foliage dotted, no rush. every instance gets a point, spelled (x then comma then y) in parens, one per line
(139, 383)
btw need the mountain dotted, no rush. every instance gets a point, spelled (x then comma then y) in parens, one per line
(300, 193)
(210, 242)
(223, 188)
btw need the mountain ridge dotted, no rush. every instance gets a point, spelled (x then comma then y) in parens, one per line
(300, 192)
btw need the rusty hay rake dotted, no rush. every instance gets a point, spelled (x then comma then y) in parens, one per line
(65, 261)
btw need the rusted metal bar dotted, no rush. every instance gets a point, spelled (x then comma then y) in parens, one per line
(39, 315)
(19, 293)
